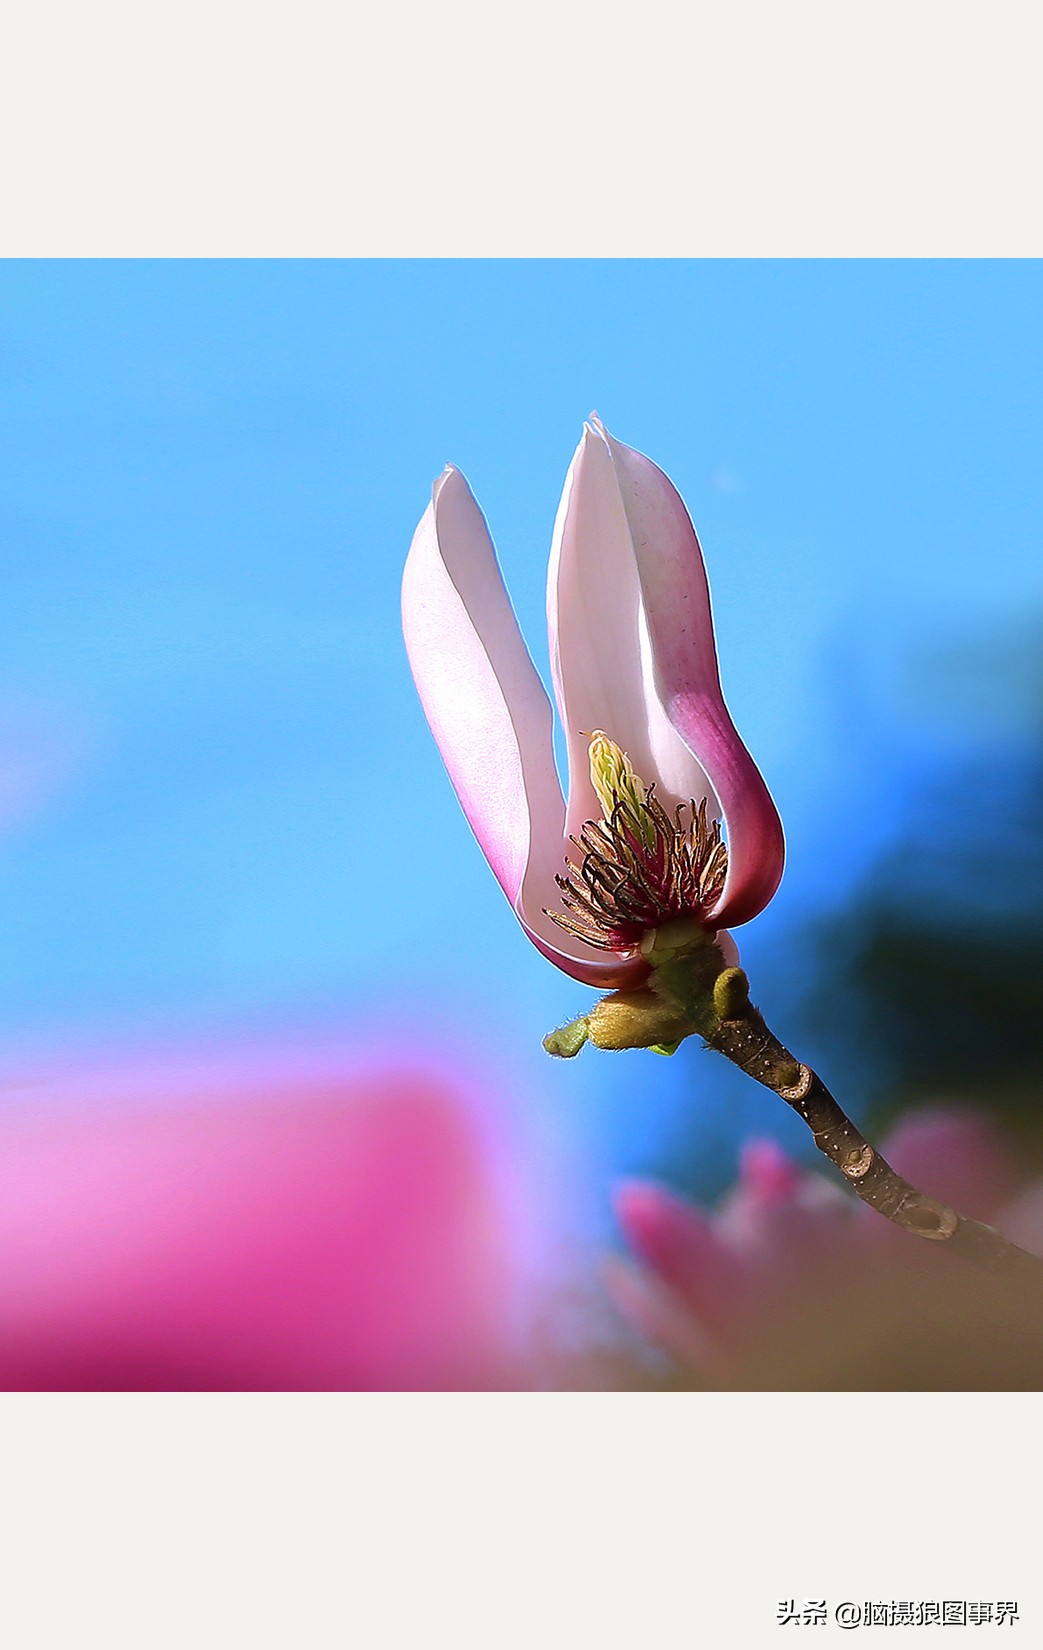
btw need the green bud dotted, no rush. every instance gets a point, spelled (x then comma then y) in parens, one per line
(566, 1042)
(635, 1019)
(731, 993)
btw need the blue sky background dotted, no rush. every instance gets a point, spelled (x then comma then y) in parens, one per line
(221, 806)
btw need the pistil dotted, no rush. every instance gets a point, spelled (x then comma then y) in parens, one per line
(637, 867)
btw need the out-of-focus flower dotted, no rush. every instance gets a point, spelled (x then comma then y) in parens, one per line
(791, 1282)
(635, 674)
(246, 1228)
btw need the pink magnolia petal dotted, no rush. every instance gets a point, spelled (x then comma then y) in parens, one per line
(605, 971)
(659, 1313)
(600, 657)
(680, 1244)
(728, 948)
(486, 705)
(680, 626)
(491, 717)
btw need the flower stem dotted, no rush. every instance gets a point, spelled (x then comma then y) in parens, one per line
(691, 991)
(742, 1036)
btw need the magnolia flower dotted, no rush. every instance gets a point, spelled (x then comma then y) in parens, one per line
(655, 764)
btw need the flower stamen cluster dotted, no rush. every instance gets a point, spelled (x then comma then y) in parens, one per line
(639, 868)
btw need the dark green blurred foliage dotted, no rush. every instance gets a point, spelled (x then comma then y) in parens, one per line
(929, 981)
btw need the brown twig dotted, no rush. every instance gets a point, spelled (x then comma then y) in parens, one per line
(744, 1038)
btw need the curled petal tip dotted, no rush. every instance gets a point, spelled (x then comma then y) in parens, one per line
(449, 476)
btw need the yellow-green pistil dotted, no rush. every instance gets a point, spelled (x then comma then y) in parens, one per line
(638, 867)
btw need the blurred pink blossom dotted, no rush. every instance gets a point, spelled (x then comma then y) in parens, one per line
(791, 1281)
(261, 1225)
